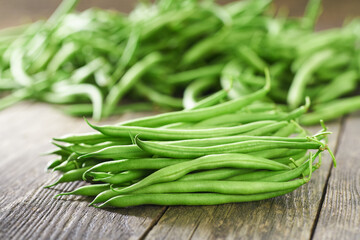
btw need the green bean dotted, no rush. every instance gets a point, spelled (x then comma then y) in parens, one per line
(187, 199)
(230, 80)
(296, 90)
(201, 49)
(203, 113)
(252, 58)
(88, 190)
(66, 166)
(262, 106)
(285, 131)
(13, 98)
(332, 110)
(85, 71)
(17, 68)
(224, 187)
(84, 149)
(231, 139)
(57, 98)
(214, 174)
(245, 117)
(116, 152)
(84, 89)
(286, 160)
(312, 12)
(64, 154)
(156, 97)
(121, 177)
(71, 163)
(91, 138)
(132, 164)
(173, 172)
(64, 53)
(72, 175)
(165, 19)
(104, 196)
(211, 100)
(128, 80)
(64, 8)
(54, 163)
(166, 150)
(342, 84)
(89, 163)
(271, 176)
(176, 134)
(278, 153)
(193, 90)
(266, 130)
(127, 55)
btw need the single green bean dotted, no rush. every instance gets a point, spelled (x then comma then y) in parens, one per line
(166, 150)
(116, 152)
(297, 88)
(187, 199)
(174, 172)
(132, 164)
(91, 138)
(176, 134)
(88, 190)
(214, 174)
(70, 176)
(224, 187)
(231, 139)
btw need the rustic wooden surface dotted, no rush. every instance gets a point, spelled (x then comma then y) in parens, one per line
(326, 208)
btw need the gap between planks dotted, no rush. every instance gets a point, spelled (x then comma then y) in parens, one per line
(339, 136)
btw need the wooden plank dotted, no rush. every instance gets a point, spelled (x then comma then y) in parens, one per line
(27, 210)
(340, 215)
(287, 217)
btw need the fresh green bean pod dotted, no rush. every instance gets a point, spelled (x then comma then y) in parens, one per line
(116, 152)
(70, 176)
(88, 190)
(214, 174)
(167, 150)
(187, 199)
(174, 172)
(91, 138)
(119, 178)
(230, 139)
(177, 134)
(117, 166)
(224, 187)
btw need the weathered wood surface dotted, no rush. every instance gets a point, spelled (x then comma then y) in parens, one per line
(27, 210)
(340, 214)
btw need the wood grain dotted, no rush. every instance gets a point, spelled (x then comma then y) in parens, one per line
(27, 210)
(288, 217)
(340, 214)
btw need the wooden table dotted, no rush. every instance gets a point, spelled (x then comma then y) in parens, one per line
(326, 208)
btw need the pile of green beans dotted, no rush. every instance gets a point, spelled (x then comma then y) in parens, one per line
(192, 53)
(189, 157)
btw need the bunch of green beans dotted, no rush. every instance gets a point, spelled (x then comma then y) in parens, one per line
(192, 53)
(177, 159)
